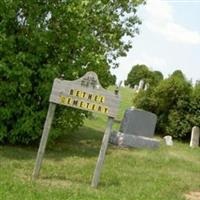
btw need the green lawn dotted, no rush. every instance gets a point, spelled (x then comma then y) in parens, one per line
(128, 174)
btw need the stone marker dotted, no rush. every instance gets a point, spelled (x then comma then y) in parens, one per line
(138, 122)
(168, 140)
(126, 140)
(137, 129)
(146, 86)
(194, 142)
(136, 88)
(141, 85)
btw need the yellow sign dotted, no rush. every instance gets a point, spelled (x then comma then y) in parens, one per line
(85, 93)
(91, 102)
(87, 96)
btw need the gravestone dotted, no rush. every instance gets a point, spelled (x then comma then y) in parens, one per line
(168, 140)
(137, 129)
(141, 85)
(194, 142)
(136, 88)
(126, 140)
(146, 87)
(138, 122)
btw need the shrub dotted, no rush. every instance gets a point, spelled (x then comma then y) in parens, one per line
(142, 72)
(39, 41)
(175, 102)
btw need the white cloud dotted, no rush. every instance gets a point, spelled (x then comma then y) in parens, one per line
(158, 10)
(155, 63)
(159, 18)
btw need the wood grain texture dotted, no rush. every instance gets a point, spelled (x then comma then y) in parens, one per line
(62, 88)
(102, 153)
(85, 93)
(43, 142)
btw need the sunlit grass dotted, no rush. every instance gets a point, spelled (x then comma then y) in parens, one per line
(128, 174)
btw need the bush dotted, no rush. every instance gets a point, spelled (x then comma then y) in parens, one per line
(142, 72)
(175, 102)
(39, 41)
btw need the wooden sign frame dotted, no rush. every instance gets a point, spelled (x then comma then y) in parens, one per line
(85, 93)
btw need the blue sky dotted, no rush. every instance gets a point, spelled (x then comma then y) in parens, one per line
(169, 39)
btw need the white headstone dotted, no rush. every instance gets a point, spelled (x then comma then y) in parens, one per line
(141, 85)
(146, 86)
(168, 140)
(136, 87)
(194, 142)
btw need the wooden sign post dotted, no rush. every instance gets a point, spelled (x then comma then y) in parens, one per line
(102, 152)
(85, 93)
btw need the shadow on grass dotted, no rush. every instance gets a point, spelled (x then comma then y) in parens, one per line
(60, 179)
(85, 142)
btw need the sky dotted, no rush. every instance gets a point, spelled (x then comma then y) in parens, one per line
(169, 39)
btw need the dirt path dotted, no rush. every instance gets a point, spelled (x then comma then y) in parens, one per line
(193, 196)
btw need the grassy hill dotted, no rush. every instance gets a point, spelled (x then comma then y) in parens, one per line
(128, 174)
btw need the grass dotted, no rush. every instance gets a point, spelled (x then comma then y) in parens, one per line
(128, 174)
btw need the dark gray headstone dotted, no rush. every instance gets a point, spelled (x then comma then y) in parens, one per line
(126, 140)
(138, 122)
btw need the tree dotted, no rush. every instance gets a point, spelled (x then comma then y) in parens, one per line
(178, 74)
(137, 73)
(142, 72)
(40, 40)
(157, 76)
(171, 100)
(113, 79)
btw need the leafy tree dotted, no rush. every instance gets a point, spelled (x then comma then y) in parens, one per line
(194, 107)
(137, 73)
(185, 115)
(171, 100)
(113, 79)
(173, 97)
(157, 76)
(142, 72)
(40, 40)
(179, 74)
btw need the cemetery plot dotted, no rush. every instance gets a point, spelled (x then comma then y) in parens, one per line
(136, 130)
